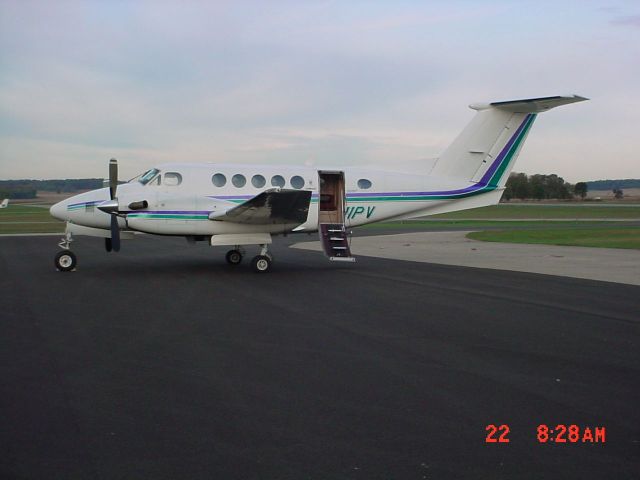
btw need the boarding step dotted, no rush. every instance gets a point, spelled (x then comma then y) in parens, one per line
(335, 242)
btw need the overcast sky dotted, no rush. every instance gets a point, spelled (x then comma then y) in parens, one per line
(329, 82)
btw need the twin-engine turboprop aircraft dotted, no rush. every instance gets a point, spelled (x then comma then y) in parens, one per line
(240, 205)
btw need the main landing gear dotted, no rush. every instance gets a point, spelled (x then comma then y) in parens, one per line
(234, 257)
(260, 263)
(65, 260)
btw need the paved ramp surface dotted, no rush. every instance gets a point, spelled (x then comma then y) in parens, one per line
(453, 248)
(162, 362)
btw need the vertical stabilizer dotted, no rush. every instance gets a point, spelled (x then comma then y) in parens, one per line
(488, 147)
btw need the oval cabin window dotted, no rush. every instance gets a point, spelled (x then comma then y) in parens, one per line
(258, 181)
(238, 180)
(297, 182)
(219, 180)
(277, 181)
(364, 184)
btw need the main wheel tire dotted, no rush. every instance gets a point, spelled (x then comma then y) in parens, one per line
(261, 263)
(66, 260)
(234, 257)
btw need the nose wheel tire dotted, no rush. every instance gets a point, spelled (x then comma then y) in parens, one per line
(233, 257)
(65, 260)
(261, 263)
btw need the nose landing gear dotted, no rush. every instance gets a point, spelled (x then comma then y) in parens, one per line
(65, 260)
(234, 257)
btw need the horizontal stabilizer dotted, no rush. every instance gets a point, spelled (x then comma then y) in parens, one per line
(530, 105)
(275, 206)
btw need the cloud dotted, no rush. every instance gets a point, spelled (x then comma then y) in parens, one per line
(283, 82)
(627, 21)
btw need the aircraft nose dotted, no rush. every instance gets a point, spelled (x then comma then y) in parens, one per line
(59, 211)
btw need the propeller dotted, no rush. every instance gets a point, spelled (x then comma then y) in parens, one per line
(113, 178)
(113, 186)
(111, 207)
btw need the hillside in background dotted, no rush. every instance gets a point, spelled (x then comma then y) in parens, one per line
(611, 184)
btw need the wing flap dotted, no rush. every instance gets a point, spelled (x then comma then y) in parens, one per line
(275, 206)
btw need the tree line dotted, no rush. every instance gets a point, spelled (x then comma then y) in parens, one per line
(614, 184)
(542, 187)
(17, 189)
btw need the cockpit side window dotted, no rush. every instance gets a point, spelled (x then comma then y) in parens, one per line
(172, 179)
(148, 176)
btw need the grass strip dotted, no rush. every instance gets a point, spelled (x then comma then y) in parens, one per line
(548, 211)
(480, 224)
(614, 237)
(26, 219)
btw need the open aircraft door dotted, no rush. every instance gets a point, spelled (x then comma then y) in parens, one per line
(331, 215)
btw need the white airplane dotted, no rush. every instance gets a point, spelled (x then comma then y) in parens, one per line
(5, 203)
(241, 205)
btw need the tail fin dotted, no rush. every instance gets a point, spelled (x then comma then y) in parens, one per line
(487, 148)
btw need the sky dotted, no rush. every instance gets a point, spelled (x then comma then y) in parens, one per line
(384, 84)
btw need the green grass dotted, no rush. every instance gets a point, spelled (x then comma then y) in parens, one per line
(547, 212)
(481, 224)
(26, 219)
(613, 237)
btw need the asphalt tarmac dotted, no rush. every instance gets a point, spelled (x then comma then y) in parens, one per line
(162, 361)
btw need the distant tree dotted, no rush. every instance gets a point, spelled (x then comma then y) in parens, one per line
(18, 192)
(581, 189)
(518, 185)
(618, 193)
(508, 189)
(536, 183)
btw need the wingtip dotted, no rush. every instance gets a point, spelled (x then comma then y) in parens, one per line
(575, 98)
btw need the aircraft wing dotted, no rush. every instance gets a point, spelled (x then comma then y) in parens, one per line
(275, 206)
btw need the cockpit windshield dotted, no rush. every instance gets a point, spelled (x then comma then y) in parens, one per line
(147, 176)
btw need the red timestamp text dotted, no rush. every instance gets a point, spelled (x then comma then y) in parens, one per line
(570, 434)
(559, 433)
(497, 434)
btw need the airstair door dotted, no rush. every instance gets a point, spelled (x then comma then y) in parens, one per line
(331, 214)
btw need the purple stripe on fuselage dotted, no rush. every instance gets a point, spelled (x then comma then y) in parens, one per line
(471, 188)
(173, 212)
(468, 189)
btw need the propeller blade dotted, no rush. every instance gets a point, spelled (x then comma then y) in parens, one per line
(107, 244)
(113, 177)
(115, 234)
